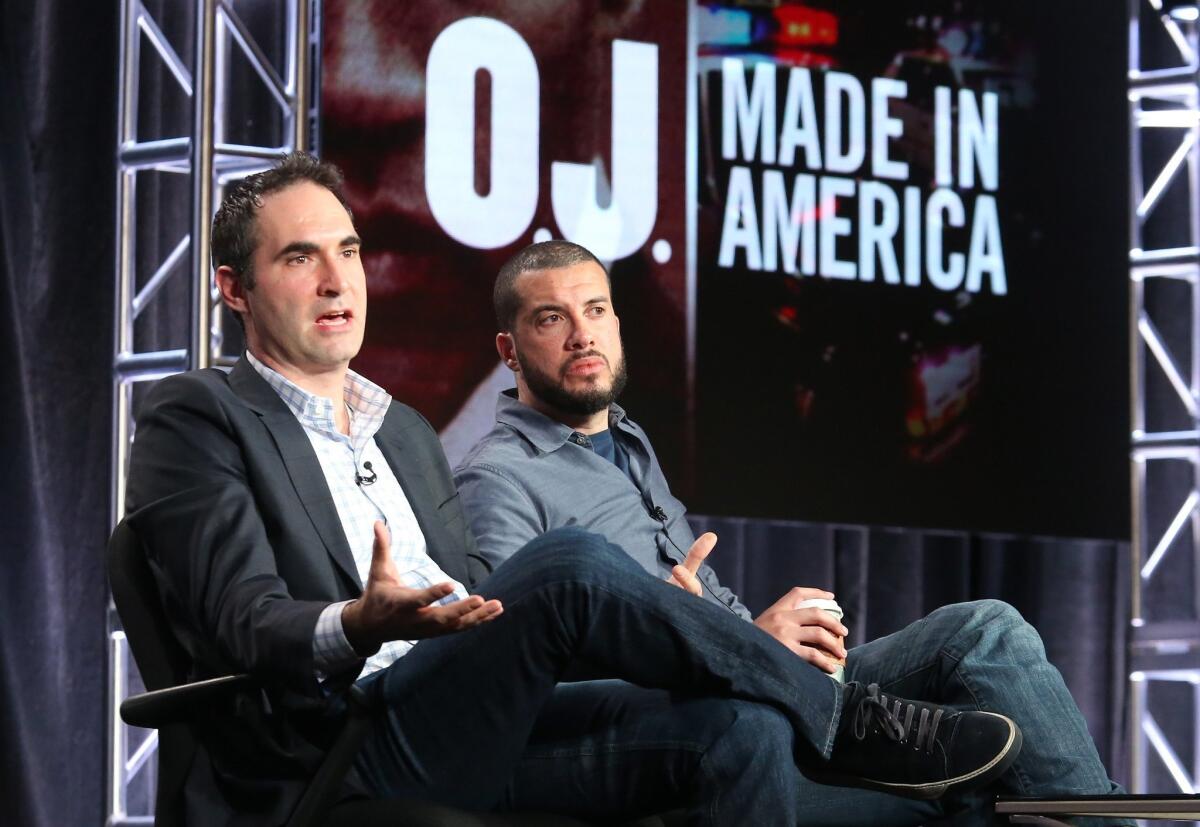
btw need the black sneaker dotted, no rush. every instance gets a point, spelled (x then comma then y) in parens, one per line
(914, 749)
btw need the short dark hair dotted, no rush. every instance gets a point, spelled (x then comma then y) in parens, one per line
(545, 255)
(234, 228)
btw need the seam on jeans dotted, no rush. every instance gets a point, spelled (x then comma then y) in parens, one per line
(1023, 780)
(907, 675)
(834, 718)
(714, 807)
(898, 679)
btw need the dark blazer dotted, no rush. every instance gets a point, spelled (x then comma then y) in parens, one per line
(241, 531)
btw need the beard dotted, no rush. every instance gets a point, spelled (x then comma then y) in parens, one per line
(585, 402)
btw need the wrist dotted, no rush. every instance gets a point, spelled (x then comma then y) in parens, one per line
(355, 630)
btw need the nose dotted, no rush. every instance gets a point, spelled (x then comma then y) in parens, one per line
(333, 280)
(581, 337)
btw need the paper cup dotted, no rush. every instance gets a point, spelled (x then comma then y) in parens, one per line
(834, 609)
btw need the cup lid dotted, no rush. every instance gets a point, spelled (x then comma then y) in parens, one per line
(821, 603)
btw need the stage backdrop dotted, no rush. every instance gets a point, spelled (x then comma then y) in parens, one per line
(868, 259)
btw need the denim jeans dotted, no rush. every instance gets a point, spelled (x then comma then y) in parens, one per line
(608, 750)
(980, 655)
(719, 719)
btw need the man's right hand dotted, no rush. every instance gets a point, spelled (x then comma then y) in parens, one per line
(813, 634)
(389, 610)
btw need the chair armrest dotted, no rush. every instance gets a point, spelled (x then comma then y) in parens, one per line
(1151, 807)
(177, 704)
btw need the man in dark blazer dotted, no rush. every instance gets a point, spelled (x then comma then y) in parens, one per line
(303, 528)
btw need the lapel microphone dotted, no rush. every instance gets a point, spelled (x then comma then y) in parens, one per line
(360, 480)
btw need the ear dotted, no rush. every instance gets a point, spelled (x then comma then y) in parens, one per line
(506, 346)
(232, 291)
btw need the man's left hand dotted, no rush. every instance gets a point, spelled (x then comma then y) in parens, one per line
(813, 634)
(685, 576)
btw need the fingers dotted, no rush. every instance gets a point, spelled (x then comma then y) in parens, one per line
(799, 594)
(812, 644)
(489, 610)
(460, 615)
(430, 595)
(684, 576)
(686, 580)
(699, 551)
(381, 554)
(819, 617)
(817, 658)
(815, 636)
(811, 633)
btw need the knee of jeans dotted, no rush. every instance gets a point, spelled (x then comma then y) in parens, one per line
(998, 613)
(998, 619)
(571, 552)
(762, 731)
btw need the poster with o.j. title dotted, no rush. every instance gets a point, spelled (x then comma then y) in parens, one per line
(868, 258)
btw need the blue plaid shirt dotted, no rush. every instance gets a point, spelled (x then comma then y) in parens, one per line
(343, 457)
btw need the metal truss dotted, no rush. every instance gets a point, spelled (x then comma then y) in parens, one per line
(167, 313)
(1164, 335)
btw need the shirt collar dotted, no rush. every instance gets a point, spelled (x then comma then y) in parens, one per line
(368, 403)
(546, 434)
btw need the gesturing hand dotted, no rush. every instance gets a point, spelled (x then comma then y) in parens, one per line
(684, 576)
(813, 634)
(389, 610)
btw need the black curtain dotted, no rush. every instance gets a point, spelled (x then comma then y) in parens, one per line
(57, 137)
(57, 145)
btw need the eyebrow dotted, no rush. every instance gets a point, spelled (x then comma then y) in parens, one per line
(310, 247)
(542, 308)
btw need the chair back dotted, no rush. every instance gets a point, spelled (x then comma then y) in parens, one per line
(161, 661)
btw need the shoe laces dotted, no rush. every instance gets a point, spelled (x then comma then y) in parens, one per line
(896, 721)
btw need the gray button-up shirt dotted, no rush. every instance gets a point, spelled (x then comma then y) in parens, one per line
(526, 477)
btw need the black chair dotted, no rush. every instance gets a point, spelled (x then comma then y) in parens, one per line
(172, 703)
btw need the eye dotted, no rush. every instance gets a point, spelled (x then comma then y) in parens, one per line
(350, 252)
(550, 318)
(597, 310)
(300, 258)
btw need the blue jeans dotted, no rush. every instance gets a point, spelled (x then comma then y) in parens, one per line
(608, 751)
(719, 719)
(980, 655)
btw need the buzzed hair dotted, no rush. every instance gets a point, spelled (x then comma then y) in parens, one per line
(545, 255)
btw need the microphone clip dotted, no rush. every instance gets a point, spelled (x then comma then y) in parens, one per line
(360, 480)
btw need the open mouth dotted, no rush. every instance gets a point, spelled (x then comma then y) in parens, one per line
(334, 318)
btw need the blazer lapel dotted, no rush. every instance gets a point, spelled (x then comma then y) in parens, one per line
(304, 470)
(410, 472)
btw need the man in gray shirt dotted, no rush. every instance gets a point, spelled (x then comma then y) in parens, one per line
(563, 453)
